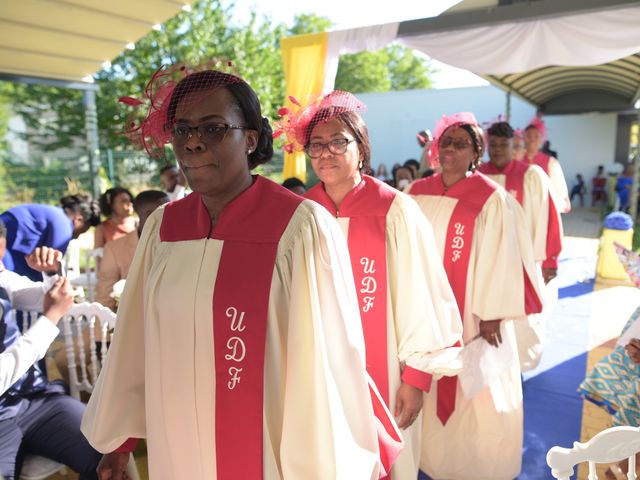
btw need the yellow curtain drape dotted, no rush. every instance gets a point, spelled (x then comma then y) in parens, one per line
(304, 58)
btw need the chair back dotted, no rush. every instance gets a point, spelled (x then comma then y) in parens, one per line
(71, 259)
(609, 446)
(82, 327)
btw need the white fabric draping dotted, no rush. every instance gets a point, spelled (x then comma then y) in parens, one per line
(353, 41)
(583, 39)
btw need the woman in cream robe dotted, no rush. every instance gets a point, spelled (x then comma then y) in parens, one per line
(408, 310)
(485, 247)
(179, 376)
(530, 186)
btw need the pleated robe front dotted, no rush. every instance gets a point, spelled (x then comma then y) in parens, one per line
(159, 382)
(533, 192)
(482, 439)
(422, 315)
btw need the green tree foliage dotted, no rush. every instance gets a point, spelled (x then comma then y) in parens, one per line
(56, 119)
(392, 68)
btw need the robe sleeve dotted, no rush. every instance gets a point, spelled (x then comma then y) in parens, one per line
(424, 309)
(116, 409)
(542, 216)
(536, 209)
(559, 185)
(505, 280)
(326, 387)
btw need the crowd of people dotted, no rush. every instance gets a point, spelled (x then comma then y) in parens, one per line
(279, 331)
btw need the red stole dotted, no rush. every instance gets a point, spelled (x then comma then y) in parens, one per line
(250, 226)
(541, 159)
(514, 173)
(554, 236)
(367, 206)
(472, 193)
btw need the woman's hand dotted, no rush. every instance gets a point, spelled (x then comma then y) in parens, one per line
(408, 405)
(44, 259)
(113, 466)
(633, 350)
(58, 300)
(549, 274)
(490, 331)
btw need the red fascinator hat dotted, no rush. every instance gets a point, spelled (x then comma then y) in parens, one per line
(446, 122)
(150, 125)
(539, 125)
(298, 121)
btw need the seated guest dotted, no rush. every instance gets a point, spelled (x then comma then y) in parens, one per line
(623, 188)
(36, 416)
(578, 189)
(295, 185)
(173, 182)
(381, 172)
(117, 205)
(414, 165)
(402, 177)
(31, 225)
(119, 253)
(614, 385)
(599, 187)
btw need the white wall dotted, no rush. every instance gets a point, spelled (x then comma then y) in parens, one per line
(394, 118)
(582, 141)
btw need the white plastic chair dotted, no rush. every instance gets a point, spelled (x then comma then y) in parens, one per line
(71, 259)
(85, 316)
(35, 467)
(609, 446)
(88, 316)
(89, 278)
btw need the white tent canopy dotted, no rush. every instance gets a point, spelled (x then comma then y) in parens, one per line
(582, 39)
(564, 56)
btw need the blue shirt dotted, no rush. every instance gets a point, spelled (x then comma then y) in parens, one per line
(30, 226)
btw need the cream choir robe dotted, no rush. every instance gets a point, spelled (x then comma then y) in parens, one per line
(482, 438)
(422, 315)
(158, 382)
(531, 187)
(551, 166)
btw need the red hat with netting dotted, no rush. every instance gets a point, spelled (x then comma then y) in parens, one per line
(298, 121)
(151, 125)
(447, 121)
(539, 125)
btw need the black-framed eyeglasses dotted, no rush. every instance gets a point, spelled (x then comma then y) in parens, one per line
(337, 146)
(457, 144)
(210, 132)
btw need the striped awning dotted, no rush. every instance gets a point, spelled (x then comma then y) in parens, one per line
(73, 39)
(614, 86)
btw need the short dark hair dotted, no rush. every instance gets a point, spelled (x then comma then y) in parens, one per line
(107, 198)
(3, 230)
(412, 162)
(354, 122)
(167, 168)
(501, 129)
(247, 103)
(403, 167)
(84, 205)
(149, 196)
(293, 182)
